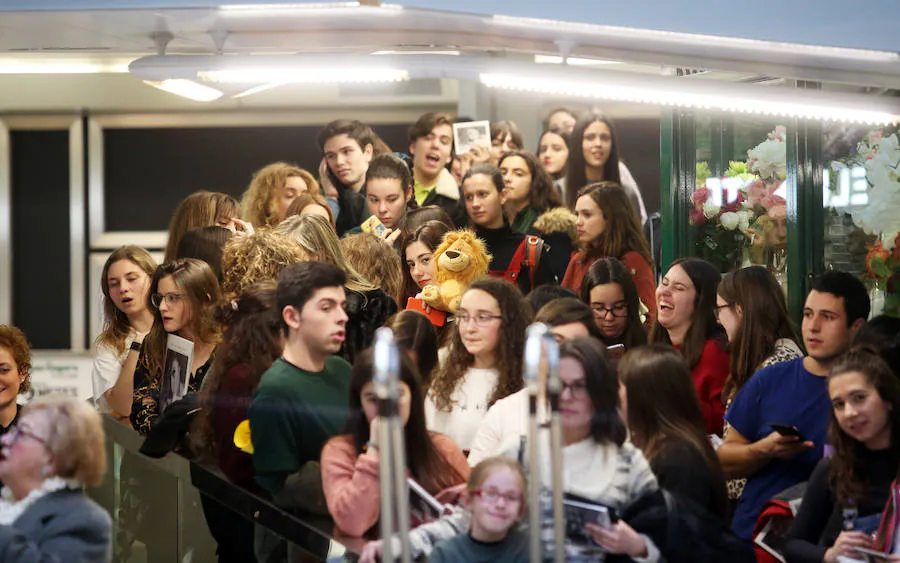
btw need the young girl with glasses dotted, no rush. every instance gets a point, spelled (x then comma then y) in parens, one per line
(610, 291)
(183, 293)
(495, 497)
(484, 362)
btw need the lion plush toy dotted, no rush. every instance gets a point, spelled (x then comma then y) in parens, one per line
(460, 259)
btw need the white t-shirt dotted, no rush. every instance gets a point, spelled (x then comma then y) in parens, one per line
(107, 367)
(468, 407)
(504, 427)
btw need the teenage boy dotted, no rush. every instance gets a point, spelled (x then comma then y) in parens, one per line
(430, 145)
(348, 147)
(301, 401)
(793, 393)
(389, 195)
(519, 258)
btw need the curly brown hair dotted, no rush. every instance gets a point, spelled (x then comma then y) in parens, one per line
(376, 261)
(251, 338)
(258, 257)
(847, 475)
(258, 202)
(14, 340)
(515, 317)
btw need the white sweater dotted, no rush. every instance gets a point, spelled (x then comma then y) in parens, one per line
(468, 407)
(503, 429)
(106, 369)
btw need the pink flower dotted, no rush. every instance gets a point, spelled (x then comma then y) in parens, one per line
(771, 201)
(756, 191)
(735, 205)
(779, 133)
(700, 196)
(698, 219)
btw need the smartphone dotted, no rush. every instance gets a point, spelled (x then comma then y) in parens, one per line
(871, 553)
(616, 351)
(787, 430)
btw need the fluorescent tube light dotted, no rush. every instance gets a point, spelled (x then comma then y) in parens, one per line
(573, 61)
(271, 7)
(257, 89)
(791, 103)
(450, 53)
(58, 67)
(289, 75)
(187, 89)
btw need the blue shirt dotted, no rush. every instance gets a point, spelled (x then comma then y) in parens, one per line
(784, 393)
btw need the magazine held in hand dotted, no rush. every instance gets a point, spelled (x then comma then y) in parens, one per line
(177, 370)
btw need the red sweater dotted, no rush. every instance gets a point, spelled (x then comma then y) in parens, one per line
(229, 409)
(640, 270)
(709, 377)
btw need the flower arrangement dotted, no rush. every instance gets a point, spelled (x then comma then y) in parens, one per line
(879, 153)
(754, 218)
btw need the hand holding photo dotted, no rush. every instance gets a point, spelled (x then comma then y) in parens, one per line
(471, 134)
(177, 370)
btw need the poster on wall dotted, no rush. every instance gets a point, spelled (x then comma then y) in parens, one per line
(54, 373)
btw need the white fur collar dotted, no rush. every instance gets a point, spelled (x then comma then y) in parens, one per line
(11, 509)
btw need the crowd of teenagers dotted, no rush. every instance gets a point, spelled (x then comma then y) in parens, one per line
(681, 386)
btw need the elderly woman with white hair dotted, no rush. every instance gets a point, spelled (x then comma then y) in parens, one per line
(53, 452)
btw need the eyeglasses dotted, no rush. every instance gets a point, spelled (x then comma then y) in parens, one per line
(493, 496)
(618, 310)
(169, 298)
(718, 310)
(577, 389)
(16, 432)
(481, 319)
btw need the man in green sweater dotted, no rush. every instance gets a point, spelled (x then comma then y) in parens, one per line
(302, 399)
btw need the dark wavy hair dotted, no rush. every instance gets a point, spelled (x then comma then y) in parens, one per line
(663, 407)
(251, 338)
(516, 316)
(704, 326)
(610, 270)
(602, 386)
(576, 175)
(623, 231)
(845, 476)
(568, 310)
(764, 320)
(883, 333)
(425, 465)
(544, 194)
(430, 234)
(197, 280)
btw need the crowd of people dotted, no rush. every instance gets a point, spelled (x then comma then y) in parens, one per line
(680, 382)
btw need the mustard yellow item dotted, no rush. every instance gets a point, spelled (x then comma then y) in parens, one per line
(242, 439)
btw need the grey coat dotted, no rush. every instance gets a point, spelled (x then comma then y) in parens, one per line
(63, 527)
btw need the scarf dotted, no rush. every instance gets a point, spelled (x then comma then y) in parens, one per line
(11, 509)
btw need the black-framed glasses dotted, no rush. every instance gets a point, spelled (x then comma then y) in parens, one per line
(169, 298)
(480, 319)
(618, 310)
(577, 389)
(16, 432)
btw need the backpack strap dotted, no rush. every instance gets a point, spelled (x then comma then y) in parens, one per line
(534, 247)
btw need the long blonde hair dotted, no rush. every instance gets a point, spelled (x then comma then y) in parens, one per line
(258, 202)
(317, 238)
(116, 326)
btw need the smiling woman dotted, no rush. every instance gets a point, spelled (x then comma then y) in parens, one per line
(15, 373)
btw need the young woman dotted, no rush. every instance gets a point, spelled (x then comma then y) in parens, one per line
(607, 229)
(663, 414)
(854, 484)
(311, 204)
(350, 463)
(594, 157)
(376, 261)
(484, 361)
(568, 317)
(15, 374)
(505, 137)
(415, 334)
(496, 498)
(367, 305)
(529, 190)
(416, 249)
(183, 294)
(55, 450)
(750, 306)
(686, 319)
(127, 318)
(201, 209)
(271, 192)
(514, 255)
(553, 153)
(610, 291)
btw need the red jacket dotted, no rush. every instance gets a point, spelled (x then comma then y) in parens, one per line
(640, 270)
(709, 377)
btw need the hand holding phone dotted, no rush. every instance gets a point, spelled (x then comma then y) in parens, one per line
(788, 430)
(871, 554)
